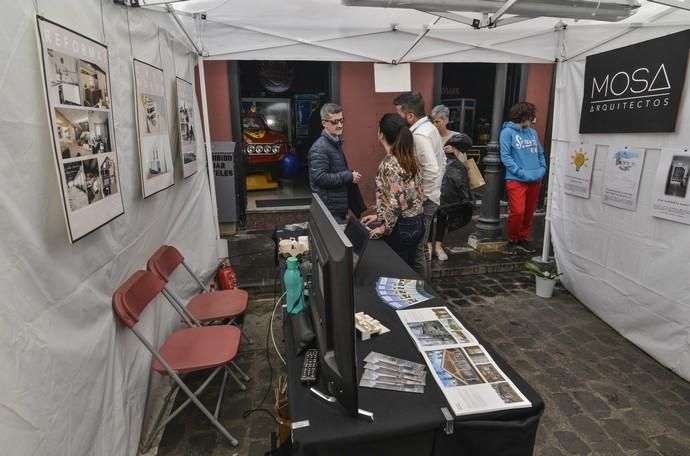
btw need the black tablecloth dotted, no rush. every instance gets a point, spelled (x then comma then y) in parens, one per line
(404, 423)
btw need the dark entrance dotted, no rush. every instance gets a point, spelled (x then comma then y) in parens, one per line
(279, 103)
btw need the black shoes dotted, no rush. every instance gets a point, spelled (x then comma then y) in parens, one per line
(520, 246)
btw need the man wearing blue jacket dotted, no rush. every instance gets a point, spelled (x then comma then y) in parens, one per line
(523, 159)
(329, 175)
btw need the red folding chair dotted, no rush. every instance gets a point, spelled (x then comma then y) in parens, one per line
(207, 307)
(187, 350)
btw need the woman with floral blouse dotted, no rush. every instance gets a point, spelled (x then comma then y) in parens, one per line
(399, 191)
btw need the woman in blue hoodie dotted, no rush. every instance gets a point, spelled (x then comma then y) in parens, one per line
(523, 159)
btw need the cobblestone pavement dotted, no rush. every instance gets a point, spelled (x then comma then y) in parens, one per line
(603, 395)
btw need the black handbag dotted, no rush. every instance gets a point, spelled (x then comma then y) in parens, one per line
(355, 202)
(303, 335)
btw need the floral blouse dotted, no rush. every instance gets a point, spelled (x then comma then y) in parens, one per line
(396, 194)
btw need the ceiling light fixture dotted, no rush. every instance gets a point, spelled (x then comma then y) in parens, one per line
(604, 10)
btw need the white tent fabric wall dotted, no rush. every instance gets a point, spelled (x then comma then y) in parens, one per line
(74, 381)
(626, 266)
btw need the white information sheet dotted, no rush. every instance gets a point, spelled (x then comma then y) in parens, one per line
(578, 172)
(671, 198)
(622, 176)
(467, 375)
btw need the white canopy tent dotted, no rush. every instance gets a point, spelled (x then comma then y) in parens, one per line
(73, 381)
(328, 30)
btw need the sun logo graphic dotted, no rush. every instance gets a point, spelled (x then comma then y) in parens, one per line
(579, 159)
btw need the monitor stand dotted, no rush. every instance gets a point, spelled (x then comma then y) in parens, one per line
(362, 413)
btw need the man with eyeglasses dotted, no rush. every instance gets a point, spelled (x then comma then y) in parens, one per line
(329, 175)
(429, 152)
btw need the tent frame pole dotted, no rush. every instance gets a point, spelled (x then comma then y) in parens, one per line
(561, 30)
(207, 144)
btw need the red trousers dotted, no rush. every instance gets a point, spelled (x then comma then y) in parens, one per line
(522, 202)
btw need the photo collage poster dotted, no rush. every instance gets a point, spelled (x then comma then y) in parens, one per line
(622, 176)
(671, 197)
(77, 82)
(578, 172)
(155, 155)
(185, 115)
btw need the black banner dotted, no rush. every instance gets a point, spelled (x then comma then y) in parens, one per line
(635, 89)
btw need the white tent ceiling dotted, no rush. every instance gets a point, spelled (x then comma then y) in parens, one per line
(328, 30)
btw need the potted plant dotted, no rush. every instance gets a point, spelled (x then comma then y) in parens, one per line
(545, 278)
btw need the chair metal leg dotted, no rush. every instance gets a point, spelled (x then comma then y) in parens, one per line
(232, 322)
(157, 426)
(160, 425)
(234, 377)
(245, 377)
(249, 341)
(220, 394)
(204, 410)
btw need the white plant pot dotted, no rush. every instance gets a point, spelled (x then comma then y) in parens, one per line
(545, 287)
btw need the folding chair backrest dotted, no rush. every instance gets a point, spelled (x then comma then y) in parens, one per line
(164, 261)
(132, 297)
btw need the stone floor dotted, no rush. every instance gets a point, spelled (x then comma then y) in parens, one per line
(603, 395)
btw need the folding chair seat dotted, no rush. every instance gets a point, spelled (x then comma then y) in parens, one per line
(207, 307)
(192, 349)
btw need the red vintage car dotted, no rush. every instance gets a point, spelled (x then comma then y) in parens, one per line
(260, 143)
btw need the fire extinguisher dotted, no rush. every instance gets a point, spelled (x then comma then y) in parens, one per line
(227, 278)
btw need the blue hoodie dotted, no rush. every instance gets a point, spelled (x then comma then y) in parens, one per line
(521, 153)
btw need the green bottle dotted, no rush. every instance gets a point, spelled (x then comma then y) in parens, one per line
(294, 285)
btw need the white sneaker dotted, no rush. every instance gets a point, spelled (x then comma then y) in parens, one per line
(441, 254)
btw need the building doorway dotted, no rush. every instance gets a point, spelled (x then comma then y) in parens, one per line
(279, 104)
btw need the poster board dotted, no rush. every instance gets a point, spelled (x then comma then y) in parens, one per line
(76, 77)
(155, 157)
(578, 172)
(622, 176)
(671, 196)
(187, 134)
(636, 88)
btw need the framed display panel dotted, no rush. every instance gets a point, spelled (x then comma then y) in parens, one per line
(77, 86)
(155, 156)
(671, 196)
(187, 133)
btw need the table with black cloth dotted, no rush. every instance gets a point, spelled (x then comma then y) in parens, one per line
(404, 423)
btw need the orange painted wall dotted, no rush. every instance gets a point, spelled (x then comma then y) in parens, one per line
(362, 109)
(539, 78)
(218, 97)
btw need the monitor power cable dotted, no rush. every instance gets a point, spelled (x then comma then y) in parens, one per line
(269, 331)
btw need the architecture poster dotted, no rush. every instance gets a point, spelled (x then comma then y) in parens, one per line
(155, 156)
(578, 169)
(185, 117)
(77, 85)
(622, 176)
(671, 196)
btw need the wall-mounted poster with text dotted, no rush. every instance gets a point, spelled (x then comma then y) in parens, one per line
(636, 88)
(77, 86)
(578, 171)
(155, 156)
(185, 117)
(622, 176)
(671, 196)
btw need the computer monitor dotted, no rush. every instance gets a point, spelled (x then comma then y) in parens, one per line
(358, 234)
(332, 304)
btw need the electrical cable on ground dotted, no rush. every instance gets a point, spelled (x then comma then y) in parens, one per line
(259, 407)
(271, 329)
